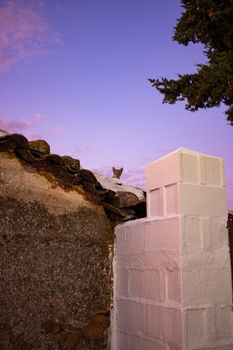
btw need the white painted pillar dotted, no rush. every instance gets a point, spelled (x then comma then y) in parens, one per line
(172, 269)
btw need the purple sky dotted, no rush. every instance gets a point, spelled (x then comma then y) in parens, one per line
(75, 73)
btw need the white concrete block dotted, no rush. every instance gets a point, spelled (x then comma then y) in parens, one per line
(190, 168)
(123, 341)
(135, 239)
(163, 234)
(216, 285)
(173, 286)
(192, 238)
(120, 242)
(163, 172)
(154, 321)
(172, 325)
(214, 171)
(191, 287)
(155, 202)
(136, 261)
(140, 343)
(195, 328)
(203, 200)
(210, 325)
(146, 284)
(119, 229)
(202, 169)
(122, 260)
(170, 260)
(122, 282)
(172, 346)
(131, 316)
(205, 228)
(163, 260)
(224, 321)
(221, 347)
(187, 166)
(206, 260)
(152, 260)
(220, 259)
(171, 199)
(219, 232)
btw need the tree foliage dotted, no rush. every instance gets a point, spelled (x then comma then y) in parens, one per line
(209, 22)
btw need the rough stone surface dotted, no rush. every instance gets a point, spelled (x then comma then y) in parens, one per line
(71, 163)
(55, 264)
(40, 146)
(66, 172)
(3, 132)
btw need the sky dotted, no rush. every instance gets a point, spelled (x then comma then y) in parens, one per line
(75, 73)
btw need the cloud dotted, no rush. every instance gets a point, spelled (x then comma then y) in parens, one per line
(55, 131)
(24, 33)
(19, 125)
(34, 128)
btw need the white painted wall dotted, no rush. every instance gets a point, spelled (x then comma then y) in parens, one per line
(172, 278)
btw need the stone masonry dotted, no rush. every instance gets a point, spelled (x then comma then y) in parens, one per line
(55, 263)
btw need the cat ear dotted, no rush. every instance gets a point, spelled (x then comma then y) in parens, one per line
(113, 169)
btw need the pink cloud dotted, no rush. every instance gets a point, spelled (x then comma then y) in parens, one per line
(24, 33)
(19, 125)
(33, 128)
(56, 131)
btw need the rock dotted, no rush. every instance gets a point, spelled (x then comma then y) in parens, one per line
(70, 162)
(3, 133)
(39, 146)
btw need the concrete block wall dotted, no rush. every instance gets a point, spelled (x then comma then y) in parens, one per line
(172, 269)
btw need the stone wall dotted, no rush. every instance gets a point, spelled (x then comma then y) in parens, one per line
(55, 263)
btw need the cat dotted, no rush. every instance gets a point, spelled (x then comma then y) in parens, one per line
(117, 172)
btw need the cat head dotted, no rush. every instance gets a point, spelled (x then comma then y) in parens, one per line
(117, 172)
